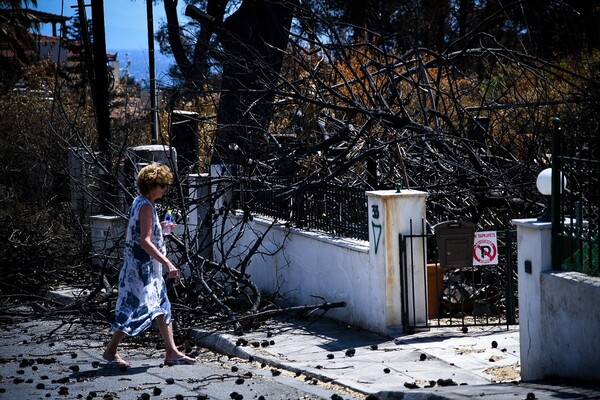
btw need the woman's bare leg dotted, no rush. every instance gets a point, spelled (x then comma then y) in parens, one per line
(110, 354)
(166, 331)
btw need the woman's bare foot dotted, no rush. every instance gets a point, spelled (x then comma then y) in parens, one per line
(115, 360)
(180, 359)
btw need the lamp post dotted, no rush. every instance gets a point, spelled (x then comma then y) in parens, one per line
(544, 186)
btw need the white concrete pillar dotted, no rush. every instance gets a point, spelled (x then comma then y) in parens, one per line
(220, 175)
(198, 190)
(199, 207)
(222, 189)
(534, 257)
(391, 213)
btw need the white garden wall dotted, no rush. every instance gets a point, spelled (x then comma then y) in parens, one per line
(571, 322)
(306, 267)
(311, 268)
(559, 321)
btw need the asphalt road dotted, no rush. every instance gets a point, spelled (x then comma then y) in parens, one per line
(55, 359)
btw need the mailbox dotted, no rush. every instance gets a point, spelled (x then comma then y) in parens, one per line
(455, 243)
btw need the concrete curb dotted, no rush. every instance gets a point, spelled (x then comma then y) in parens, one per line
(224, 344)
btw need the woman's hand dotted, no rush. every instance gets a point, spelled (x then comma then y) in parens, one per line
(168, 226)
(146, 223)
(173, 271)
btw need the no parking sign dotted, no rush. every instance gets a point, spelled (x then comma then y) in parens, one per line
(485, 248)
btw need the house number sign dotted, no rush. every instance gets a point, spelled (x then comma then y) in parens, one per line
(375, 227)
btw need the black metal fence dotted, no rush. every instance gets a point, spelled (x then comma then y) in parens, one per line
(337, 210)
(576, 211)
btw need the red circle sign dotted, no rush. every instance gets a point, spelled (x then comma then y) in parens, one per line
(484, 251)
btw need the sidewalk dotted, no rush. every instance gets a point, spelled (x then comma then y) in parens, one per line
(443, 363)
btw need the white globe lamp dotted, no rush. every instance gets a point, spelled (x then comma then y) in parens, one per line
(544, 186)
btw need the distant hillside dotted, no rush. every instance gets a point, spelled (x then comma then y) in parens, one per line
(139, 67)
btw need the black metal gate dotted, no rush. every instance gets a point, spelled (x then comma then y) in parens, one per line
(457, 295)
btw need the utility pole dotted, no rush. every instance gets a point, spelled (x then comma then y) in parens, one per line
(100, 81)
(153, 110)
(96, 65)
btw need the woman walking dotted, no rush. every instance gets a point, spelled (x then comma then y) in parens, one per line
(142, 294)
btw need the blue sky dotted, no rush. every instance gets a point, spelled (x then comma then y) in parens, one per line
(125, 20)
(126, 31)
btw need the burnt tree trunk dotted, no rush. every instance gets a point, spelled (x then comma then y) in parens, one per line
(254, 40)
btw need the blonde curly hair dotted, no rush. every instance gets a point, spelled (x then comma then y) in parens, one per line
(153, 175)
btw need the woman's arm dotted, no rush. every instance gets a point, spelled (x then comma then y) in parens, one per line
(146, 223)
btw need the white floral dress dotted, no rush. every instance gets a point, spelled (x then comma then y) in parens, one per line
(142, 289)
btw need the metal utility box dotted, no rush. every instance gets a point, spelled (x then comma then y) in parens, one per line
(455, 243)
(107, 234)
